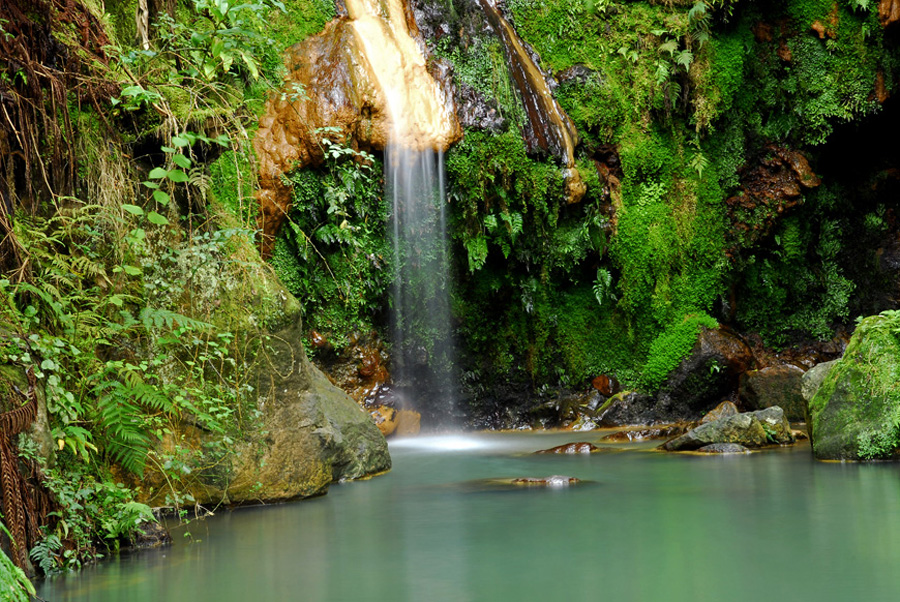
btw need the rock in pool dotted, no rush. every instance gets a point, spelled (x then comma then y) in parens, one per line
(551, 481)
(580, 447)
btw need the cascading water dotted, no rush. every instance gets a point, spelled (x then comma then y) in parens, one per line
(423, 354)
(421, 122)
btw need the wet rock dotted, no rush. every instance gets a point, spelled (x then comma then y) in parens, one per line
(775, 386)
(853, 410)
(580, 447)
(663, 432)
(385, 419)
(605, 385)
(723, 410)
(724, 448)
(552, 481)
(581, 424)
(408, 423)
(628, 408)
(750, 429)
(151, 535)
(702, 379)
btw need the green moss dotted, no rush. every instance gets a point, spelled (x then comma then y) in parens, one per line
(855, 414)
(671, 346)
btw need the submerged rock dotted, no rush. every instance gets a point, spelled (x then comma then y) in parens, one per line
(854, 412)
(723, 448)
(775, 386)
(580, 447)
(551, 481)
(750, 429)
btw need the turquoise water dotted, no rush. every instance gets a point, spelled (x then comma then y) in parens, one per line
(647, 527)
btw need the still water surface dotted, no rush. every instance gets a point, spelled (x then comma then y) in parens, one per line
(649, 527)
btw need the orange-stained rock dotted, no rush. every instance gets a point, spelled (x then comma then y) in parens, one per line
(723, 410)
(888, 12)
(603, 384)
(881, 90)
(385, 419)
(408, 423)
(339, 79)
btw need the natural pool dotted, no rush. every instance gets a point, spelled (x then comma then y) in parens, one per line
(649, 526)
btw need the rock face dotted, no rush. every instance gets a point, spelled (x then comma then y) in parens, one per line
(628, 408)
(750, 429)
(888, 11)
(703, 378)
(854, 412)
(775, 386)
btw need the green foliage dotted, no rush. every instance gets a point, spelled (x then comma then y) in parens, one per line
(332, 252)
(14, 585)
(93, 511)
(671, 346)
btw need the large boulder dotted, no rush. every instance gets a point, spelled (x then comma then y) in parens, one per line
(709, 374)
(775, 386)
(854, 412)
(750, 429)
(299, 432)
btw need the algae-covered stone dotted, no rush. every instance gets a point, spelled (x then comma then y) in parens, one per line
(750, 429)
(855, 411)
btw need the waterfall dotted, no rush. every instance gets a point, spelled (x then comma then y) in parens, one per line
(420, 114)
(423, 353)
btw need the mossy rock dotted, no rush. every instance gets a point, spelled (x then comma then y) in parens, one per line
(855, 413)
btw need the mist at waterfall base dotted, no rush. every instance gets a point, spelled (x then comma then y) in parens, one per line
(423, 357)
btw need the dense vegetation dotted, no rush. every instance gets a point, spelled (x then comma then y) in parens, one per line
(133, 203)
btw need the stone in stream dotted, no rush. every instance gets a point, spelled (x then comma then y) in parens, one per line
(580, 447)
(664, 431)
(551, 481)
(750, 429)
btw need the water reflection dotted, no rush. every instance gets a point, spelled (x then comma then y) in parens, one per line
(652, 527)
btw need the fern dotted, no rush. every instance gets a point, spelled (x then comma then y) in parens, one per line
(152, 317)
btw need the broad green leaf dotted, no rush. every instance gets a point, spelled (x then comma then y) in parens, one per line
(157, 173)
(131, 270)
(133, 209)
(182, 161)
(176, 175)
(161, 197)
(251, 64)
(167, 149)
(156, 218)
(180, 141)
(151, 185)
